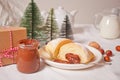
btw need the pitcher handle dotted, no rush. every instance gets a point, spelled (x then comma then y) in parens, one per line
(96, 20)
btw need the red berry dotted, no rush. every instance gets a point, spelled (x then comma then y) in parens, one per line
(109, 53)
(73, 58)
(101, 50)
(61, 61)
(117, 48)
(107, 58)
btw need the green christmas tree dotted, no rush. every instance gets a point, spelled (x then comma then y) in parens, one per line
(51, 29)
(66, 30)
(32, 20)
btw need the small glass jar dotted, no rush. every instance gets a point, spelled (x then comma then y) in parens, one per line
(28, 60)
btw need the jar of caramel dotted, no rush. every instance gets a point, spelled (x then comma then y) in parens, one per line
(28, 60)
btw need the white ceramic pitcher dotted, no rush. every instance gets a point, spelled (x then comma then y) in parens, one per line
(109, 24)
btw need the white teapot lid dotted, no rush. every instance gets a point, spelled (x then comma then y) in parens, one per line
(116, 11)
(60, 11)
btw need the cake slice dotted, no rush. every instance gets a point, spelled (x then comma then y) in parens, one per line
(54, 46)
(84, 54)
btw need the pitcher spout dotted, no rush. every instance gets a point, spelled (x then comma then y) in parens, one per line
(74, 12)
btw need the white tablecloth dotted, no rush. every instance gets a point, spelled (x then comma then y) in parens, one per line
(83, 34)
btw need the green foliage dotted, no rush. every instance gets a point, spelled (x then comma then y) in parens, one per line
(32, 20)
(51, 29)
(66, 30)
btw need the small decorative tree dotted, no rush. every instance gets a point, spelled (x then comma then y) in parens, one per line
(66, 30)
(32, 20)
(51, 29)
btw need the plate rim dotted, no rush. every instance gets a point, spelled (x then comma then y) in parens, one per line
(76, 66)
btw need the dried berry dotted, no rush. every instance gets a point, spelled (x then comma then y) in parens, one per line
(102, 51)
(107, 58)
(73, 58)
(94, 44)
(61, 61)
(108, 53)
(117, 48)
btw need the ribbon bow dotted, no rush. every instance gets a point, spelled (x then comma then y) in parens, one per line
(8, 53)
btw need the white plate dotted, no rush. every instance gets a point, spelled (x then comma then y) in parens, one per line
(98, 58)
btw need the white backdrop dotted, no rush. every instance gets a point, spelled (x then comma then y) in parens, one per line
(12, 10)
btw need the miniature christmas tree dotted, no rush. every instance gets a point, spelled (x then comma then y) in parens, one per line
(32, 20)
(51, 28)
(66, 30)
